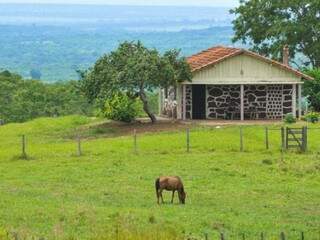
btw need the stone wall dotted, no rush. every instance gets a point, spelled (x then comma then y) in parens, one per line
(189, 102)
(223, 102)
(260, 101)
(255, 102)
(287, 99)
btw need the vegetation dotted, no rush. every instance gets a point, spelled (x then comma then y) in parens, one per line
(22, 100)
(59, 51)
(312, 117)
(109, 191)
(311, 89)
(269, 25)
(289, 118)
(121, 108)
(133, 70)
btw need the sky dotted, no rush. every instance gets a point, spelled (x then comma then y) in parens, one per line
(215, 3)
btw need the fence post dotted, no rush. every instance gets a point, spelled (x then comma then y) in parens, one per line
(206, 236)
(282, 138)
(282, 236)
(188, 140)
(135, 141)
(24, 153)
(79, 145)
(221, 236)
(241, 139)
(267, 138)
(305, 139)
(243, 236)
(287, 137)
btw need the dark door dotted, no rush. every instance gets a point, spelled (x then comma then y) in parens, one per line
(198, 101)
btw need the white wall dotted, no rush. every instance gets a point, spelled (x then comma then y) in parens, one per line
(244, 69)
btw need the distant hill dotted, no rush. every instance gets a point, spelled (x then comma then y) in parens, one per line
(56, 40)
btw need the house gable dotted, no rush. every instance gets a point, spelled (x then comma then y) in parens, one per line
(244, 69)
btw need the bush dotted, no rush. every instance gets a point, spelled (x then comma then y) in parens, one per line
(312, 117)
(289, 118)
(121, 108)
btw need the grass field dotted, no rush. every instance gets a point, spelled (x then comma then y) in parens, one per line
(57, 195)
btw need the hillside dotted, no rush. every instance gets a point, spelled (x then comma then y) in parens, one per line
(57, 40)
(57, 194)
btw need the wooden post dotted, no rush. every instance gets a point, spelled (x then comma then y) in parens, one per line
(304, 139)
(188, 140)
(302, 235)
(287, 137)
(242, 102)
(282, 143)
(267, 138)
(282, 138)
(135, 141)
(160, 102)
(294, 100)
(282, 236)
(241, 139)
(299, 101)
(221, 236)
(184, 102)
(243, 236)
(79, 146)
(206, 236)
(24, 153)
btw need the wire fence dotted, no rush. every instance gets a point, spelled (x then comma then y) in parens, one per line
(241, 139)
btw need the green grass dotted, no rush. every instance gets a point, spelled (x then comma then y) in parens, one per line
(58, 195)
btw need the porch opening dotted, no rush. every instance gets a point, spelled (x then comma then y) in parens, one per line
(198, 101)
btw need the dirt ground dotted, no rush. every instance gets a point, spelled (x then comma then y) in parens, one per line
(143, 125)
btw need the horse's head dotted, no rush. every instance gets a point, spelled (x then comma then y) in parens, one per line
(183, 197)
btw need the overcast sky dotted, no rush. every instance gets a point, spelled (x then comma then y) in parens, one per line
(216, 3)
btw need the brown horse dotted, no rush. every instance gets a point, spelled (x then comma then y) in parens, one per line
(170, 184)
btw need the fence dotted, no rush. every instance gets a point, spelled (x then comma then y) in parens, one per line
(263, 236)
(283, 138)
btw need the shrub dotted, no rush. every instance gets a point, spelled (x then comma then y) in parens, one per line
(312, 117)
(121, 108)
(289, 118)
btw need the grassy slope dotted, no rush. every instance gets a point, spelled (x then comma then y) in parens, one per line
(58, 194)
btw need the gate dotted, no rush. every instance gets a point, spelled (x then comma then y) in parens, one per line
(297, 138)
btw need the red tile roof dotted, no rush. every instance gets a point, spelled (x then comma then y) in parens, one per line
(218, 54)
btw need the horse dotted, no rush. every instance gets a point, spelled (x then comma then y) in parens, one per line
(170, 184)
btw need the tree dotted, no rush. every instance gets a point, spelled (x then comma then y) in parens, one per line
(21, 100)
(311, 89)
(268, 25)
(35, 74)
(134, 70)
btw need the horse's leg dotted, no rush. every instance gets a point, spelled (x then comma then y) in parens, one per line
(161, 196)
(172, 196)
(157, 196)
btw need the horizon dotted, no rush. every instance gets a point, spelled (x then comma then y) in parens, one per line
(155, 3)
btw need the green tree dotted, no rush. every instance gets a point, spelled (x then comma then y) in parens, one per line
(133, 69)
(35, 74)
(268, 25)
(21, 100)
(311, 89)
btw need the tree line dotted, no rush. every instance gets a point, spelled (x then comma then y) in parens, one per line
(22, 100)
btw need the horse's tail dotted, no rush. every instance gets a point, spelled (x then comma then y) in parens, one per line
(157, 185)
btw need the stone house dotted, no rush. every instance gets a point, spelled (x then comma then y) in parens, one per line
(237, 84)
